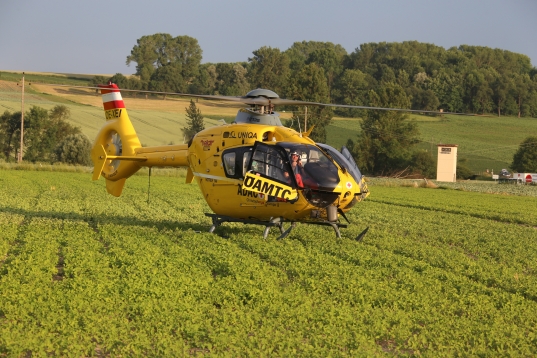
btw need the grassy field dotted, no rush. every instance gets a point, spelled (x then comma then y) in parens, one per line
(440, 273)
(484, 142)
(47, 77)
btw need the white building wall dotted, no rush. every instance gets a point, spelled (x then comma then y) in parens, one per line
(446, 169)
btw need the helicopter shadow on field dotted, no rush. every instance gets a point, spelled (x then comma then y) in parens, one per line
(225, 231)
(94, 220)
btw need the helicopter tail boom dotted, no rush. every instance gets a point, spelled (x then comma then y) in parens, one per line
(117, 153)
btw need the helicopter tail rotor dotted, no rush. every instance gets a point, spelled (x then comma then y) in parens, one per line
(114, 151)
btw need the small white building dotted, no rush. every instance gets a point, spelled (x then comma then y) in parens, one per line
(446, 169)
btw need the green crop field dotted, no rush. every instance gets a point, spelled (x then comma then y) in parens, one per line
(441, 272)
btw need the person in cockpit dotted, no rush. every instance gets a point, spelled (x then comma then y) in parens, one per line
(296, 165)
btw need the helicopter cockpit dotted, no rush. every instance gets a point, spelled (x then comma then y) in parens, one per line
(313, 169)
(274, 161)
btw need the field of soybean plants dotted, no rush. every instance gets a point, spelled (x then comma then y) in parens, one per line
(441, 272)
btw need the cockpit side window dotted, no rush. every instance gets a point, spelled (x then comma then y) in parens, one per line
(235, 161)
(229, 163)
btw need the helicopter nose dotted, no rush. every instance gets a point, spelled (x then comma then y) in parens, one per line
(352, 192)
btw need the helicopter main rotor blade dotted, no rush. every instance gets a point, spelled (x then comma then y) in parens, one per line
(265, 101)
(213, 97)
(290, 102)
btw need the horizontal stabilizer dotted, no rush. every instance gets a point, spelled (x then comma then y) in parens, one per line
(99, 159)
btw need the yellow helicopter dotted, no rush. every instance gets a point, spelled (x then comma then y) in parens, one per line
(253, 171)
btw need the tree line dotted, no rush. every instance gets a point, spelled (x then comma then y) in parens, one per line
(460, 79)
(410, 74)
(48, 137)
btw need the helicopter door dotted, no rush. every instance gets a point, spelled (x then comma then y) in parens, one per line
(269, 173)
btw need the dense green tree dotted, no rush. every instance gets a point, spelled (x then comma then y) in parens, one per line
(134, 83)
(158, 50)
(186, 51)
(422, 163)
(531, 103)
(10, 124)
(231, 79)
(448, 89)
(525, 158)
(300, 52)
(206, 82)
(36, 145)
(149, 54)
(74, 149)
(465, 78)
(478, 92)
(45, 131)
(42, 132)
(269, 68)
(310, 84)
(410, 56)
(120, 80)
(385, 144)
(501, 87)
(385, 74)
(58, 127)
(60, 113)
(424, 99)
(521, 91)
(194, 122)
(403, 79)
(167, 78)
(98, 80)
(330, 61)
(352, 88)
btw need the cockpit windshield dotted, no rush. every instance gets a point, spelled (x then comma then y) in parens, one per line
(344, 160)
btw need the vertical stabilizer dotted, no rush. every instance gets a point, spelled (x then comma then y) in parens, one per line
(116, 140)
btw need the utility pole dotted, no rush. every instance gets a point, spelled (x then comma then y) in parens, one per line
(22, 120)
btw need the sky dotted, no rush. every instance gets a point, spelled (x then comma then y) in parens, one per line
(95, 37)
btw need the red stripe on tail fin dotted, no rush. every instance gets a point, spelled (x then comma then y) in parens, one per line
(111, 96)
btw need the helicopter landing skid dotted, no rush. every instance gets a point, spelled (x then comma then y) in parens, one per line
(277, 221)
